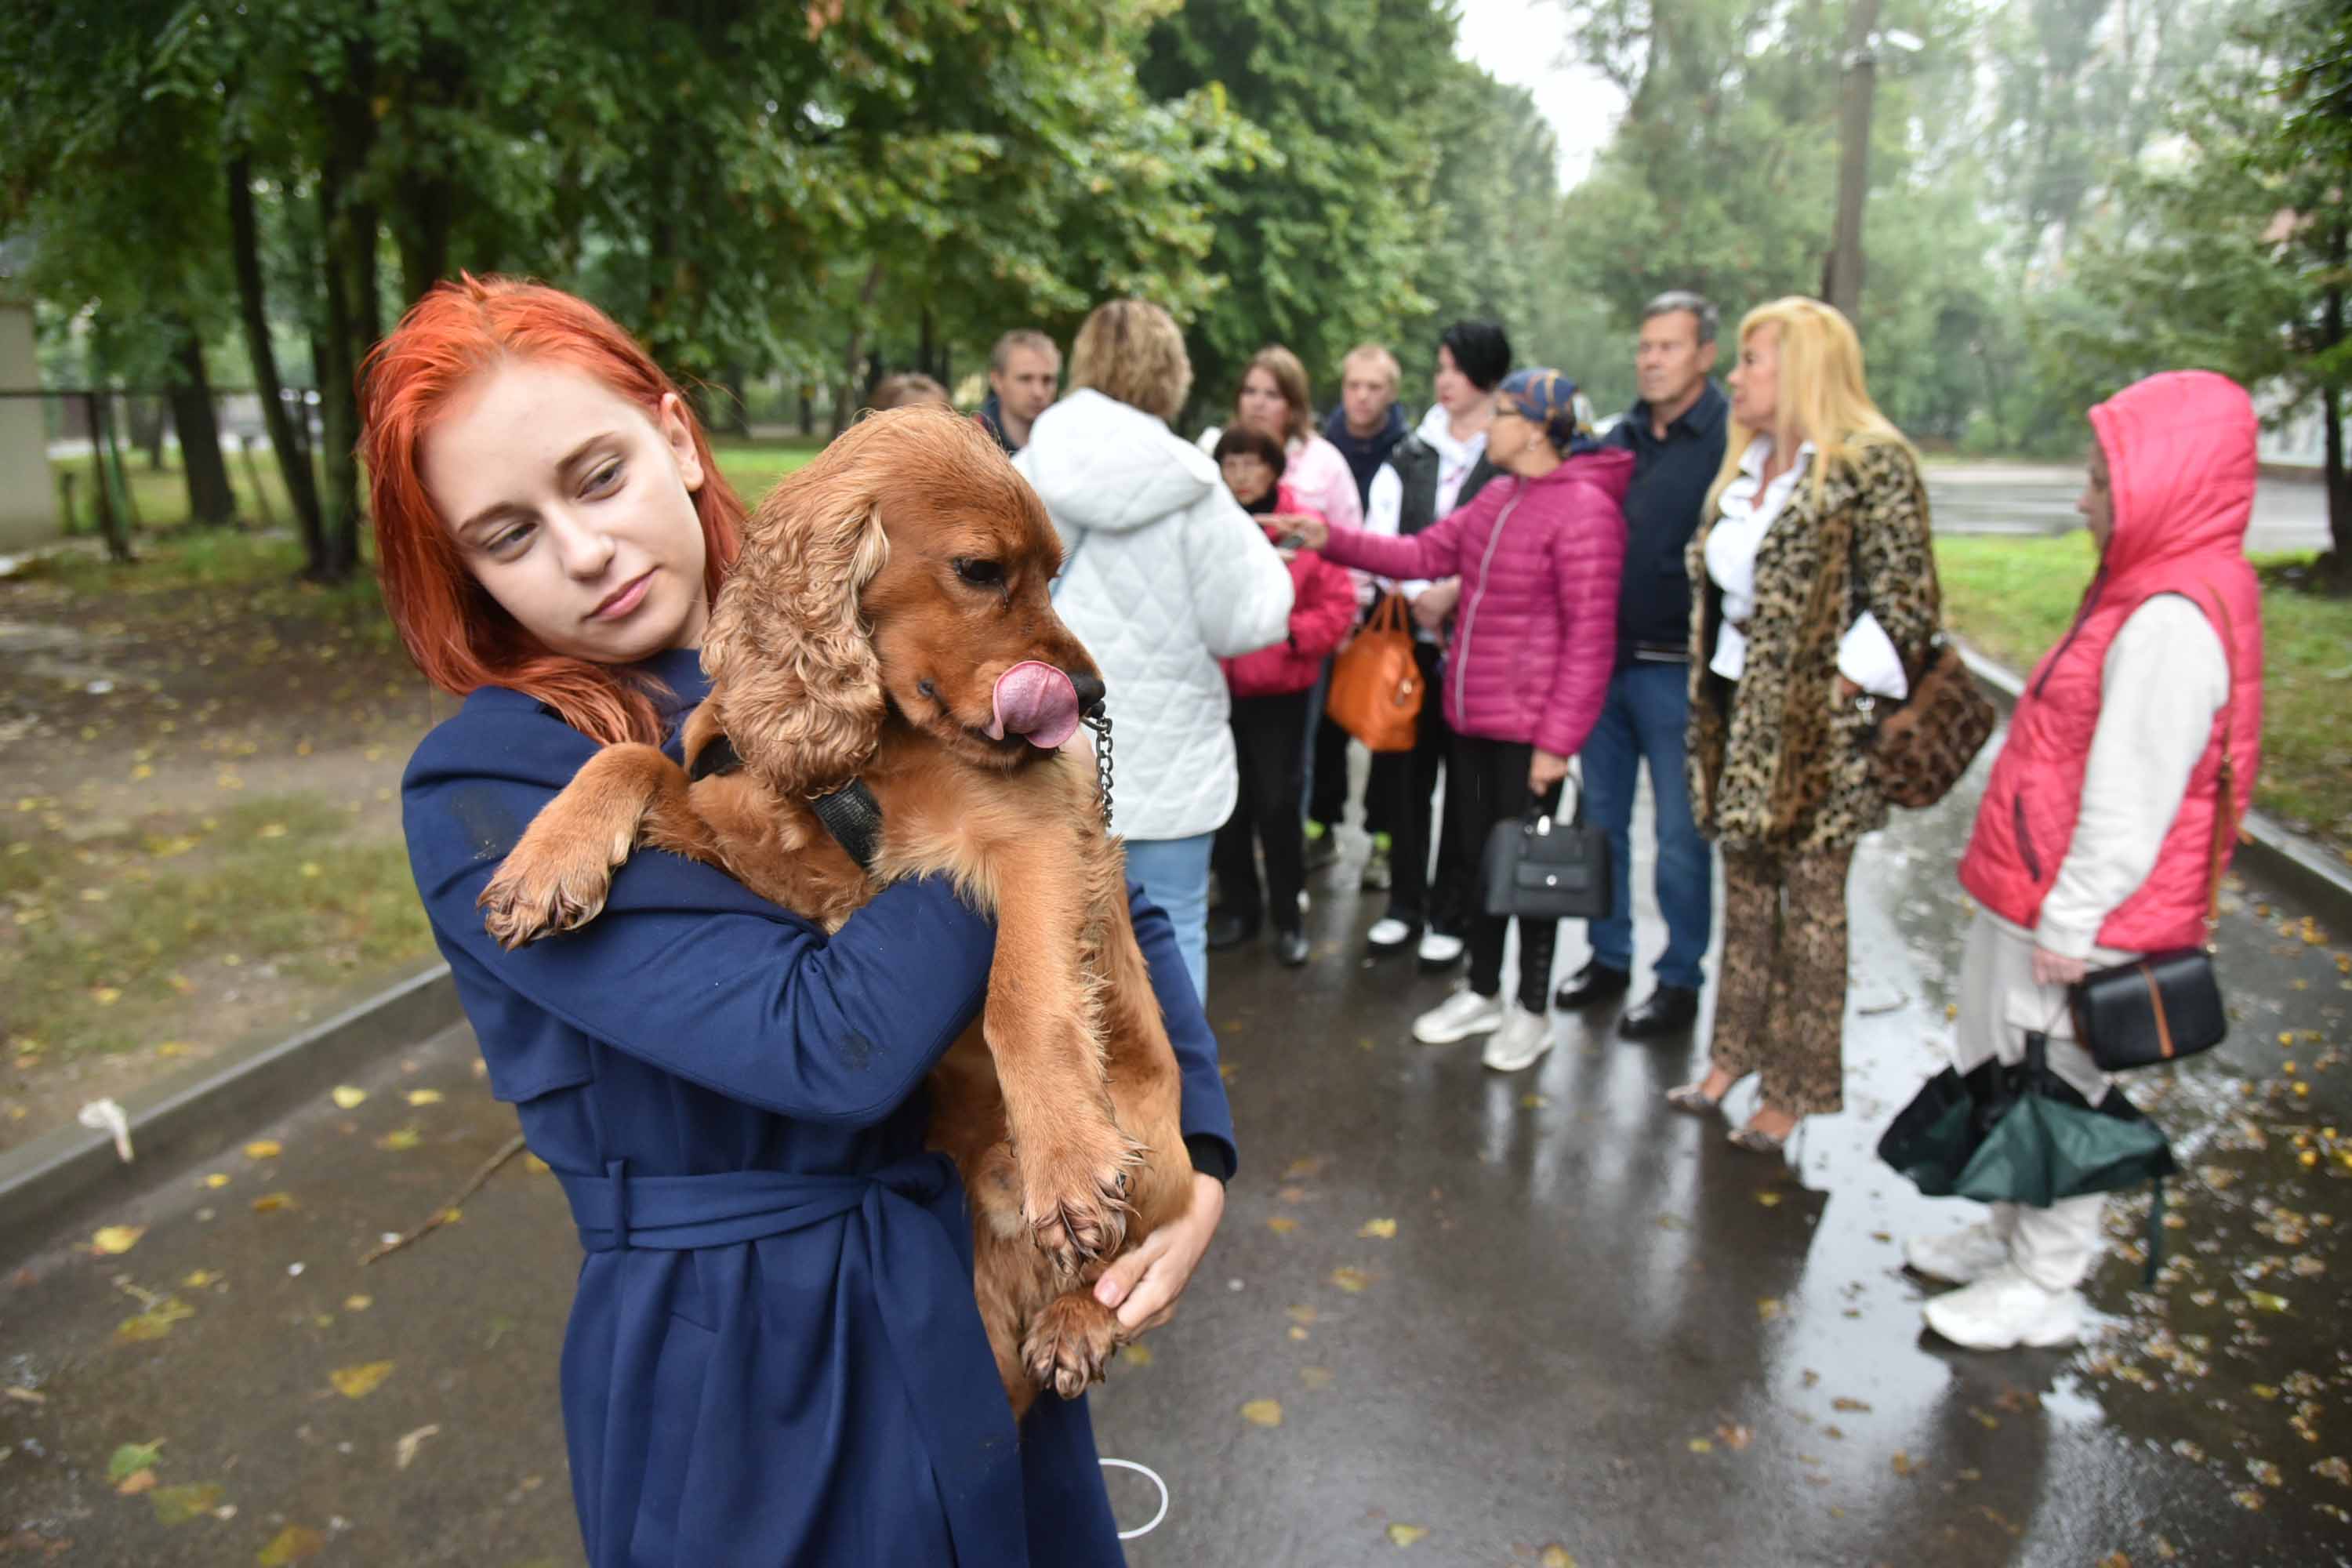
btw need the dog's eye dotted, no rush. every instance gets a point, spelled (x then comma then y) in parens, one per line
(981, 573)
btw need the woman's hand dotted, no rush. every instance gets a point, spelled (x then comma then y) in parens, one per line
(1313, 533)
(1435, 603)
(2056, 969)
(1545, 770)
(1143, 1285)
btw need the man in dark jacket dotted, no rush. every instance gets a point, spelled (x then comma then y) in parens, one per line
(1676, 432)
(1024, 370)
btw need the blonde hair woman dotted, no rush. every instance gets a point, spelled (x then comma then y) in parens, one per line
(1817, 600)
(1162, 576)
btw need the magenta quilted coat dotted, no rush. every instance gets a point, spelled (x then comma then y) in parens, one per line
(1535, 637)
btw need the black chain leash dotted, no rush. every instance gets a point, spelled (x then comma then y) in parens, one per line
(1097, 719)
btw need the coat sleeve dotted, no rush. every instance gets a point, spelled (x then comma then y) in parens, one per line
(1206, 1116)
(1435, 551)
(1894, 558)
(1241, 589)
(1326, 611)
(684, 968)
(1588, 556)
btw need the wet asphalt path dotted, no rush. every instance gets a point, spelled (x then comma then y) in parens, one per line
(1596, 1332)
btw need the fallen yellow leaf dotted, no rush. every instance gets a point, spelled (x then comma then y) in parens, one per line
(349, 1098)
(105, 995)
(264, 1149)
(1262, 1413)
(1406, 1534)
(1382, 1228)
(359, 1382)
(201, 1279)
(154, 1322)
(117, 1239)
(271, 1203)
(403, 1452)
(1315, 1376)
(1702, 1445)
(216, 1180)
(358, 1303)
(1282, 1225)
(291, 1544)
(1351, 1280)
(401, 1140)
(173, 1049)
(1301, 1313)
(1556, 1556)
(1136, 1355)
(136, 1482)
(424, 1097)
(1770, 1200)
(177, 1505)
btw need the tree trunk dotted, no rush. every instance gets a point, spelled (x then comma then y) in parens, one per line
(354, 314)
(426, 215)
(1843, 285)
(808, 411)
(112, 501)
(149, 422)
(211, 503)
(2331, 398)
(293, 458)
(845, 393)
(338, 426)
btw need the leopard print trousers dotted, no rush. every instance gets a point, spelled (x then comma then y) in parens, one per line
(1779, 1009)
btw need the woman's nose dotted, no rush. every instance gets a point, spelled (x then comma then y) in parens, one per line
(586, 552)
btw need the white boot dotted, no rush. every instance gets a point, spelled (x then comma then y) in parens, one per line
(1961, 1256)
(1459, 1016)
(1521, 1042)
(2005, 1310)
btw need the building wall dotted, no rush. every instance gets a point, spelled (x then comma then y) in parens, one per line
(28, 496)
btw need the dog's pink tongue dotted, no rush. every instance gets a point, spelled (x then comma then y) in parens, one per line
(1036, 699)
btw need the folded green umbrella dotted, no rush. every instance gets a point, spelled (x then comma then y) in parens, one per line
(2017, 1133)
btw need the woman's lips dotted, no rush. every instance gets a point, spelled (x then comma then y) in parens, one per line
(623, 600)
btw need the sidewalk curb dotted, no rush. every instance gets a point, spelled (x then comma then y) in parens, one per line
(73, 1171)
(2289, 863)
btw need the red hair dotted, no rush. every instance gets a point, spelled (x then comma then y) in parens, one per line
(460, 637)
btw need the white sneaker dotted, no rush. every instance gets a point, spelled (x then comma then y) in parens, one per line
(1387, 931)
(1961, 1256)
(1437, 948)
(1459, 1016)
(1521, 1042)
(2004, 1310)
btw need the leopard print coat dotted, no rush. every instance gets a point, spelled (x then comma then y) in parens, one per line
(1776, 761)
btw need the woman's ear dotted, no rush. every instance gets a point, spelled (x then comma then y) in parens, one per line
(788, 647)
(679, 436)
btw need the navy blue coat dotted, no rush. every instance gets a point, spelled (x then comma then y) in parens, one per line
(779, 1363)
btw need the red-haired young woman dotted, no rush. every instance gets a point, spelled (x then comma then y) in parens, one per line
(803, 1379)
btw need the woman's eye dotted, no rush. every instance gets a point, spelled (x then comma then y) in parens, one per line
(605, 479)
(509, 539)
(981, 573)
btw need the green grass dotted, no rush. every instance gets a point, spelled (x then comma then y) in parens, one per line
(754, 467)
(2013, 598)
(159, 497)
(102, 933)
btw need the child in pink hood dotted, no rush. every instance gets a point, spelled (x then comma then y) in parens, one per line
(1271, 688)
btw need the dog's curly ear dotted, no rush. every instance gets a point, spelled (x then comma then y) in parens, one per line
(788, 652)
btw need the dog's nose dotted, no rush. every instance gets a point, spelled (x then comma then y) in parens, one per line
(1090, 691)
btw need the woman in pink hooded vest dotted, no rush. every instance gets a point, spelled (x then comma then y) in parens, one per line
(2096, 841)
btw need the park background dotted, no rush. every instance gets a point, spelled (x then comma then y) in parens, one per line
(209, 213)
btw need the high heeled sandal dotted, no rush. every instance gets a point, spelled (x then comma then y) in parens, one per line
(1756, 1140)
(1691, 1099)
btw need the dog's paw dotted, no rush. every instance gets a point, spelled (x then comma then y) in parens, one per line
(546, 886)
(1075, 1191)
(1069, 1343)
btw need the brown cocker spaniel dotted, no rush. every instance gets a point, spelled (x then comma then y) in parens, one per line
(889, 621)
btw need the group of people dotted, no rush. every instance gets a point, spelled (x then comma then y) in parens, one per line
(1729, 589)
(1725, 589)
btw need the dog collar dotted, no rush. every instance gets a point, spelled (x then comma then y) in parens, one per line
(850, 814)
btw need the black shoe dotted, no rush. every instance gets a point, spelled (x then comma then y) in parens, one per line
(1290, 949)
(1670, 1010)
(1595, 982)
(1229, 931)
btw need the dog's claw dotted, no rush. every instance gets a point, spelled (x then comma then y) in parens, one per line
(1069, 1343)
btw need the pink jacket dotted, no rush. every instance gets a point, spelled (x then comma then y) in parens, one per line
(1535, 637)
(2180, 454)
(1322, 608)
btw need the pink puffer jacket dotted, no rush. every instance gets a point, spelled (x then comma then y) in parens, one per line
(1535, 637)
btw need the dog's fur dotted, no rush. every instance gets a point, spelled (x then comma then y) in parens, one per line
(880, 593)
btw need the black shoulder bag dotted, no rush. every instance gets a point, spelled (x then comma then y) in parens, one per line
(2167, 1006)
(1537, 868)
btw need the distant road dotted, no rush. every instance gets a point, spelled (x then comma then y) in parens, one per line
(2014, 497)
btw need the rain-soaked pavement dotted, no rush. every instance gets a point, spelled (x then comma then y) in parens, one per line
(1479, 1320)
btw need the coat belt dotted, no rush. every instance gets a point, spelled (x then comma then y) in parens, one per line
(923, 1297)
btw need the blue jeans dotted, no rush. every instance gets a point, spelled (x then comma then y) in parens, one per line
(1647, 711)
(1174, 873)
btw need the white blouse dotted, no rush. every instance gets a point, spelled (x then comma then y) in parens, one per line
(1866, 654)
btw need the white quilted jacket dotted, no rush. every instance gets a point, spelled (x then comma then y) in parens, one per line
(1163, 575)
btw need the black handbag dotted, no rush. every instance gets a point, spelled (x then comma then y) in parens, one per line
(2167, 1006)
(1537, 868)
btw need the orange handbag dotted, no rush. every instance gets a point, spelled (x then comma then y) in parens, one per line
(1376, 688)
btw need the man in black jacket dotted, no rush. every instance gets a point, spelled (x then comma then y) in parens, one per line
(1676, 432)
